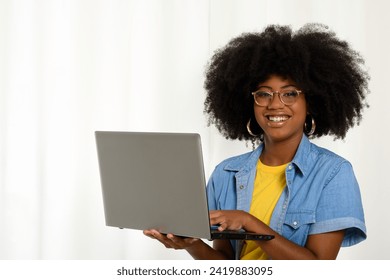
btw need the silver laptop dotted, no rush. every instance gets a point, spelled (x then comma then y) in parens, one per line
(156, 180)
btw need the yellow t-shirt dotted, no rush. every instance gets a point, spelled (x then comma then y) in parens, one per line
(269, 184)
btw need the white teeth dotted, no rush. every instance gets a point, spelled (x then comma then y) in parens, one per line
(278, 118)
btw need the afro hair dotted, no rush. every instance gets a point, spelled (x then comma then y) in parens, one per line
(325, 68)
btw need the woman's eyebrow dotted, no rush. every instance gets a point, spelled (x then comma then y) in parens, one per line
(286, 86)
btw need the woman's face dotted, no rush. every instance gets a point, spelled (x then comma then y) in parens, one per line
(281, 122)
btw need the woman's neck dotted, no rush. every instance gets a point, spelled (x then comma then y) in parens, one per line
(279, 152)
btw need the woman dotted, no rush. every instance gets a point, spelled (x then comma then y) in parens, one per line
(280, 88)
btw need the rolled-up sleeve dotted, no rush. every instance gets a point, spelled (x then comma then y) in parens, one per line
(340, 207)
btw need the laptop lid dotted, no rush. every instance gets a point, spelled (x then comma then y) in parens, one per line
(154, 180)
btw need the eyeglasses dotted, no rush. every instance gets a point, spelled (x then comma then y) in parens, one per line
(287, 96)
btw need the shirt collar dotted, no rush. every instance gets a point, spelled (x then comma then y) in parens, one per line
(302, 159)
(245, 161)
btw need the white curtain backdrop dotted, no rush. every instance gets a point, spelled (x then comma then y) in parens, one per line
(68, 68)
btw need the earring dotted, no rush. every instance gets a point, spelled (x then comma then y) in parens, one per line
(312, 127)
(248, 124)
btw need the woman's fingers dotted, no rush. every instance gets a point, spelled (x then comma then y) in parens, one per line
(170, 240)
(228, 219)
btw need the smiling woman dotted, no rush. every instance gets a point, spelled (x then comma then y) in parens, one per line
(314, 74)
(304, 195)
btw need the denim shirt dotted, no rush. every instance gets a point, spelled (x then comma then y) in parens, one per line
(322, 194)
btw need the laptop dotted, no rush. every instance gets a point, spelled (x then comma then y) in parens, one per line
(153, 180)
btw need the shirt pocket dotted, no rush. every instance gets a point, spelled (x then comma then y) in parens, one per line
(297, 225)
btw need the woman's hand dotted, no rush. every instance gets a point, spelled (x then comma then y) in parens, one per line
(198, 249)
(230, 219)
(323, 246)
(171, 241)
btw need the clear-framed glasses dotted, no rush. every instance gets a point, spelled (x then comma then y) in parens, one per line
(263, 97)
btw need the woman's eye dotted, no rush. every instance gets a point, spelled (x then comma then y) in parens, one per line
(264, 94)
(292, 93)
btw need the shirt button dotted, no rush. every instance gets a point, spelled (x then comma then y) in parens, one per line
(242, 187)
(290, 167)
(295, 223)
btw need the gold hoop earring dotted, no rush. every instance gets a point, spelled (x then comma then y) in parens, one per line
(312, 128)
(248, 124)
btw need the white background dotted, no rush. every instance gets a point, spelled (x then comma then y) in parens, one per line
(68, 68)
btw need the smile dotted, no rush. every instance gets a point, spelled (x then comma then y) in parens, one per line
(278, 118)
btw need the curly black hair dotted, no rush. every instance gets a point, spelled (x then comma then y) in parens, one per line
(326, 69)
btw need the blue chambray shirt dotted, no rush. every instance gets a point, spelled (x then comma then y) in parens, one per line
(321, 195)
